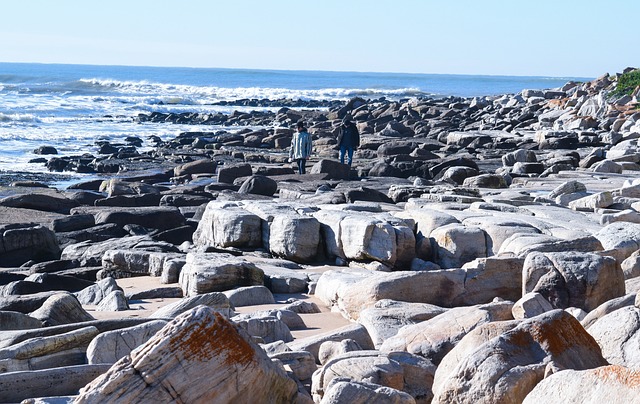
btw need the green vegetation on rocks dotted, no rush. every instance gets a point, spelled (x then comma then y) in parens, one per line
(627, 82)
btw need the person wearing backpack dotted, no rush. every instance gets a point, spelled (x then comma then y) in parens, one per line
(348, 140)
(300, 147)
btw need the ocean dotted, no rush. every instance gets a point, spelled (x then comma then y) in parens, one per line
(71, 107)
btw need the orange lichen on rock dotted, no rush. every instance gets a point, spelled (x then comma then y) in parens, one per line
(620, 374)
(210, 340)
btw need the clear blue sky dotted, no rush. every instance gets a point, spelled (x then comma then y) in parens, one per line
(512, 37)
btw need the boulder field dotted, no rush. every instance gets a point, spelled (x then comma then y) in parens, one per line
(479, 250)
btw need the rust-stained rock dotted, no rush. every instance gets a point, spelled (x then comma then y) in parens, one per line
(607, 384)
(506, 368)
(198, 357)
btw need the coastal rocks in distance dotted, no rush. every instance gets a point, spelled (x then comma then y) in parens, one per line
(45, 150)
(199, 342)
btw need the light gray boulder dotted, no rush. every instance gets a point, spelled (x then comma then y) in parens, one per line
(378, 368)
(114, 301)
(284, 280)
(330, 230)
(171, 269)
(59, 381)
(522, 244)
(506, 368)
(312, 344)
(426, 220)
(108, 347)
(386, 317)
(622, 238)
(217, 272)
(488, 278)
(498, 228)
(331, 349)
(339, 391)
(294, 237)
(627, 215)
(352, 290)
(368, 238)
(606, 384)
(458, 244)
(631, 265)
(265, 329)
(467, 345)
(61, 308)
(249, 296)
(215, 300)
(199, 342)
(592, 202)
(571, 279)
(568, 187)
(292, 319)
(607, 166)
(225, 225)
(94, 294)
(301, 363)
(434, 338)
(618, 334)
(606, 308)
(522, 156)
(530, 305)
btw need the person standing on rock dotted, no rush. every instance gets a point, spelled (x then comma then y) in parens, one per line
(300, 147)
(348, 139)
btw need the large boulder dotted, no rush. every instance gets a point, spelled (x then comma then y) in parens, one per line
(294, 237)
(217, 272)
(458, 244)
(434, 338)
(573, 279)
(339, 391)
(506, 368)
(61, 308)
(618, 334)
(399, 371)
(228, 226)
(216, 301)
(351, 290)
(606, 384)
(386, 317)
(197, 357)
(20, 243)
(620, 238)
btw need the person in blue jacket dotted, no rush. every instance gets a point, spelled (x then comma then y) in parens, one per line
(300, 147)
(348, 140)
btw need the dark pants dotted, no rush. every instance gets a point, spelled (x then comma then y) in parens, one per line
(301, 166)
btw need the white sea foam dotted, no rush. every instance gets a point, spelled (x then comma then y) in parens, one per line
(17, 118)
(189, 94)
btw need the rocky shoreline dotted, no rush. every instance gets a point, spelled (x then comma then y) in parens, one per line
(480, 249)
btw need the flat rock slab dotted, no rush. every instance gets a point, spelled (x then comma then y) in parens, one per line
(19, 215)
(63, 381)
